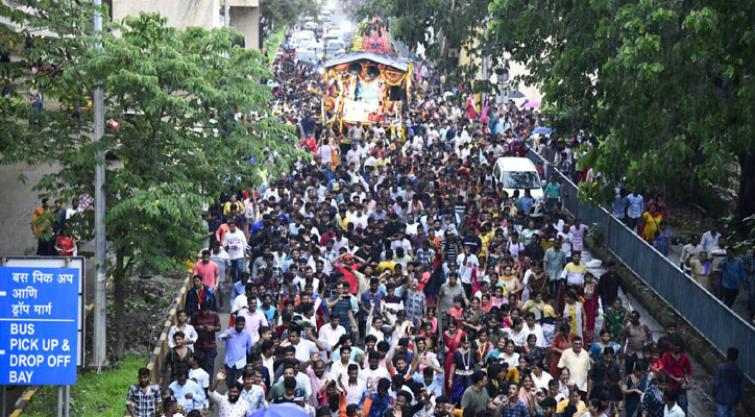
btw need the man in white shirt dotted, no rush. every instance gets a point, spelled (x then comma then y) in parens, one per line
(73, 210)
(254, 319)
(353, 385)
(330, 333)
(304, 348)
(235, 243)
(229, 404)
(577, 361)
(671, 409)
(636, 205)
(190, 334)
(467, 261)
(339, 369)
(374, 372)
(709, 241)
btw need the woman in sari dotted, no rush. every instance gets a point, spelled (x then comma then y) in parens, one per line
(651, 221)
(464, 364)
(590, 305)
(574, 313)
(534, 353)
(452, 341)
(561, 342)
(483, 346)
(615, 318)
(510, 282)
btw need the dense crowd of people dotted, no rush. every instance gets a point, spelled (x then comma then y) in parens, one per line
(388, 276)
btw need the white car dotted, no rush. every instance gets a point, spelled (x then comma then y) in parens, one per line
(512, 173)
(302, 36)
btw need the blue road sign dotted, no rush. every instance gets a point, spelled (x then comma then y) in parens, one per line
(39, 314)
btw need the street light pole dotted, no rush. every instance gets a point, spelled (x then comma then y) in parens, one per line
(226, 13)
(100, 285)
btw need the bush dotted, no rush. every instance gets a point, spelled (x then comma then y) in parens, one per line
(94, 395)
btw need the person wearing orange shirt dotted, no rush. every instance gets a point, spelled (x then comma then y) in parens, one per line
(42, 227)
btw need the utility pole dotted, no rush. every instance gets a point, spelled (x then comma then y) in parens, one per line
(226, 13)
(100, 285)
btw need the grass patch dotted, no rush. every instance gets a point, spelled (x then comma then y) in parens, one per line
(102, 395)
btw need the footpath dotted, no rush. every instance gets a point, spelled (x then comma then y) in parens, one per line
(701, 403)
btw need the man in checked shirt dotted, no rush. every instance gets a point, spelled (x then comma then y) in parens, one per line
(143, 398)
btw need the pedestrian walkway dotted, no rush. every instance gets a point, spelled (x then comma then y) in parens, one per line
(700, 402)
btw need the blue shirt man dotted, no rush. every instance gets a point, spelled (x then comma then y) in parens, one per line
(372, 298)
(732, 272)
(525, 203)
(636, 205)
(238, 343)
(728, 384)
(189, 395)
(732, 276)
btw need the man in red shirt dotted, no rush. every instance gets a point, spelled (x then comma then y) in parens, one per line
(207, 324)
(676, 365)
(208, 270)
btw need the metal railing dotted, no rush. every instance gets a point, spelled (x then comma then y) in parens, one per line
(718, 324)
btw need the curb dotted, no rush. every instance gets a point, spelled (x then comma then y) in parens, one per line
(23, 401)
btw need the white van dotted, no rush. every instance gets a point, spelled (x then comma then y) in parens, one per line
(511, 173)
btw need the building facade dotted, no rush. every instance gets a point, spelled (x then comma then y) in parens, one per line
(208, 14)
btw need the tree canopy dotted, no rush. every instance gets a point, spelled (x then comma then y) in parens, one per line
(191, 109)
(666, 87)
(281, 12)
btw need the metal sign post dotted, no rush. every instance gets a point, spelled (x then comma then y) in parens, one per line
(41, 315)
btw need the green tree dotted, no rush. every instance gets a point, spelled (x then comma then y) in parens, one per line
(283, 12)
(667, 87)
(182, 100)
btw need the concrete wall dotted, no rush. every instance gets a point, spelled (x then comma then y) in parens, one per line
(245, 14)
(247, 21)
(180, 13)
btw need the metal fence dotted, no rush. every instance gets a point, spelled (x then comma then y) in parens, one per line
(718, 324)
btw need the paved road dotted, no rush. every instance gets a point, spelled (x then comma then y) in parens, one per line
(700, 402)
(219, 360)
